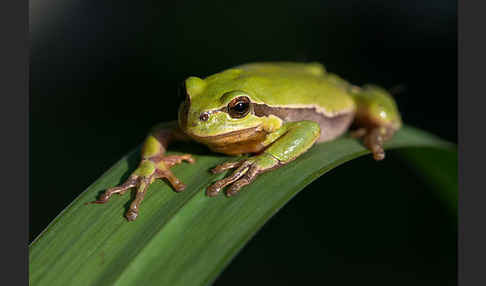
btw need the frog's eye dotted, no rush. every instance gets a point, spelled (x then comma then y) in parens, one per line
(239, 107)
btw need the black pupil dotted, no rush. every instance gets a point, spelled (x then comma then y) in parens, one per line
(240, 106)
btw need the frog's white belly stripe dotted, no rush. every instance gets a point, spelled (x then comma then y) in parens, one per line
(318, 109)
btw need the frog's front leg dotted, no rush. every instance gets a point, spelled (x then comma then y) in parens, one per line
(285, 145)
(153, 165)
(377, 118)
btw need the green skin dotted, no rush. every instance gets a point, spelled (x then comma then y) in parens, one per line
(206, 116)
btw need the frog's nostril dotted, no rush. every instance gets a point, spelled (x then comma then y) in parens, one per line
(204, 117)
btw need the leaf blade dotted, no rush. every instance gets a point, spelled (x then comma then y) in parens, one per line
(179, 239)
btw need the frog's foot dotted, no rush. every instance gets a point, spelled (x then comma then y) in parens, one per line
(246, 172)
(143, 176)
(374, 138)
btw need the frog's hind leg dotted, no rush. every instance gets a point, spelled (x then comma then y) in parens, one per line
(377, 118)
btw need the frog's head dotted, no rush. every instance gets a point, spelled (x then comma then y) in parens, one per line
(218, 106)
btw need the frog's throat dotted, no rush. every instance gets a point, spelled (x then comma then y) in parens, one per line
(249, 140)
(231, 137)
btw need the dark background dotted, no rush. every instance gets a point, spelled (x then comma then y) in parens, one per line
(103, 72)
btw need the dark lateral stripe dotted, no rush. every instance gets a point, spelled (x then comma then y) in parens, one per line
(331, 127)
(287, 114)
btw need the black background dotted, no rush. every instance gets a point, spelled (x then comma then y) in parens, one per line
(102, 73)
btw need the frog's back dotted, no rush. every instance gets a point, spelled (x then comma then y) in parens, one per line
(313, 69)
(289, 84)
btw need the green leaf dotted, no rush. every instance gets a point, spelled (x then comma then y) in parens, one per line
(179, 238)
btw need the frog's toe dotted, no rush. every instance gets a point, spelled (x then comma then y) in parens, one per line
(131, 215)
(212, 191)
(246, 179)
(236, 186)
(378, 154)
(167, 174)
(172, 160)
(374, 140)
(246, 172)
(128, 184)
(226, 166)
(215, 188)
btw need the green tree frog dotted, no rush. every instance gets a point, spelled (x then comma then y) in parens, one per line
(275, 111)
